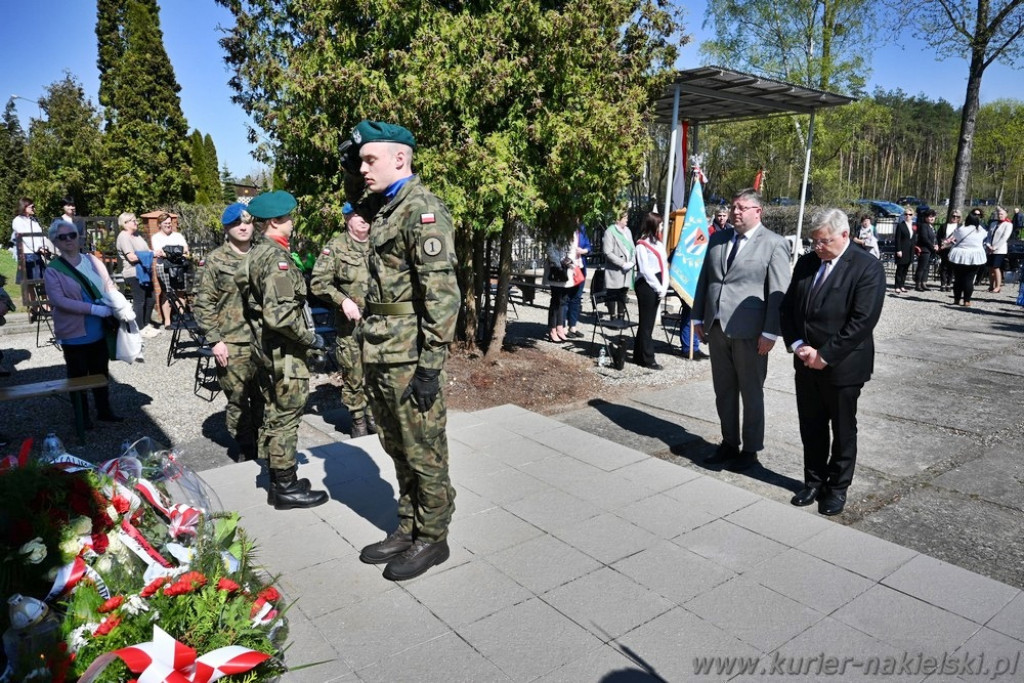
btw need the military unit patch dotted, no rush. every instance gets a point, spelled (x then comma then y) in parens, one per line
(426, 218)
(325, 252)
(432, 247)
(282, 265)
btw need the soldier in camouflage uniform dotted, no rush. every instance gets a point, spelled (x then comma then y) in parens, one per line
(218, 310)
(274, 297)
(412, 307)
(341, 276)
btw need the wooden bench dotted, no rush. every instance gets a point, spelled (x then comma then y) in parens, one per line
(528, 284)
(55, 387)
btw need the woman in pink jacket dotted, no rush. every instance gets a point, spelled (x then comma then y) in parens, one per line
(75, 284)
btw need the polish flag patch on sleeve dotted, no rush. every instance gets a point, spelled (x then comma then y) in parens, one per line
(326, 252)
(426, 218)
(282, 265)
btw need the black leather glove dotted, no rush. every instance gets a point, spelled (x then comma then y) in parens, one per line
(316, 360)
(424, 388)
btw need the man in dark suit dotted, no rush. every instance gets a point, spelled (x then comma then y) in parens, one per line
(828, 314)
(736, 310)
(925, 242)
(904, 238)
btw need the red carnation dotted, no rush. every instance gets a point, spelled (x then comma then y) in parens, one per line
(102, 522)
(152, 587)
(227, 585)
(120, 504)
(108, 625)
(194, 577)
(111, 604)
(269, 594)
(100, 543)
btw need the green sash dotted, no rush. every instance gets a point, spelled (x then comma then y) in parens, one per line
(109, 331)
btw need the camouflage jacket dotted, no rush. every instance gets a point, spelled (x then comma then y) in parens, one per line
(342, 272)
(218, 307)
(412, 262)
(274, 299)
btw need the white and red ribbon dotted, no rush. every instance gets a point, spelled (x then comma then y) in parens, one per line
(71, 574)
(184, 520)
(165, 660)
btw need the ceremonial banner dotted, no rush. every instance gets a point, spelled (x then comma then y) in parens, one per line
(693, 243)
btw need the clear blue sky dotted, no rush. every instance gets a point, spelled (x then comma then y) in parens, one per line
(46, 37)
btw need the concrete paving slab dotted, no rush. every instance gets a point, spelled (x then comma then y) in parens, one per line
(905, 622)
(956, 528)
(444, 653)
(860, 553)
(607, 663)
(1007, 364)
(529, 640)
(588, 448)
(503, 486)
(607, 603)
(656, 475)
(492, 530)
(754, 614)
(609, 490)
(996, 476)
(729, 545)
(308, 647)
(552, 508)
(783, 523)
(953, 589)
(1010, 620)
(320, 589)
(673, 572)
(543, 563)
(668, 645)
(813, 582)
(605, 537)
(664, 516)
(1003, 656)
(466, 593)
(712, 496)
(911, 403)
(628, 425)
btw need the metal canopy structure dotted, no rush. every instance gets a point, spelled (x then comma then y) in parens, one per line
(715, 94)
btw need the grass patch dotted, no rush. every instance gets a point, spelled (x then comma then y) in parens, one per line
(8, 269)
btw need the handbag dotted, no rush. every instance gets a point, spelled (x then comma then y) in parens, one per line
(559, 272)
(577, 276)
(129, 341)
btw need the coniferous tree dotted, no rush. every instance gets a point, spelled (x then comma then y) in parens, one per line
(64, 150)
(146, 152)
(227, 184)
(211, 176)
(12, 171)
(199, 167)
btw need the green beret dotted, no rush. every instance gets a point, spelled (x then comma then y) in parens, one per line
(272, 204)
(378, 131)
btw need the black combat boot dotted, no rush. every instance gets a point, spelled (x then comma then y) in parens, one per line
(359, 427)
(287, 492)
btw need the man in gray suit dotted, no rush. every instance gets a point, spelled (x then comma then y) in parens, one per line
(736, 309)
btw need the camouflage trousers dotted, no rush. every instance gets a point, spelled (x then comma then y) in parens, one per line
(244, 411)
(418, 445)
(349, 355)
(285, 398)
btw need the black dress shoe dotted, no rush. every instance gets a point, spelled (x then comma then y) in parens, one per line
(655, 366)
(384, 551)
(806, 496)
(832, 503)
(575, 334)
(697, 355)
(723, 454)
(419, 557)
(743, 462)
(109, 417)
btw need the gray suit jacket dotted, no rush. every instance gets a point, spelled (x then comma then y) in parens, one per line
(746, 299)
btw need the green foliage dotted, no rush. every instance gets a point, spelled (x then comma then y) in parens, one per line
(226, 181)
(12, 171)
(816, 43)
(998, 153)
(146, 154)
(199, 164)
(64, 151)
(522, 110)
(211, 174)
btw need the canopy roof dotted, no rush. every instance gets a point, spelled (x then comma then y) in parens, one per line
(713, 93)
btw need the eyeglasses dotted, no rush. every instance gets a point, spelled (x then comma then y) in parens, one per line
(822, 243)
(956, 215)
(909, 213)
(741, 209)
(66, 236)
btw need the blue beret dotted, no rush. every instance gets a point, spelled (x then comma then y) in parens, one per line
(232, 213)
(272, 204)
(347, 209)
(378, 131)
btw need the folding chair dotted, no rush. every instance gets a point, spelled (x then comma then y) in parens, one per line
(324, 326)
(39, 308)
(603, 322)
(206, 375)
(671, 322)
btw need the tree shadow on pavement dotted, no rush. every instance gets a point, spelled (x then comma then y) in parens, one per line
(352, 478)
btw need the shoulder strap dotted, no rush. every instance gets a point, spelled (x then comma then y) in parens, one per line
(61, 264)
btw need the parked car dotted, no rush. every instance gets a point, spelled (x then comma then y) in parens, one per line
(880, 208)
(910, 200)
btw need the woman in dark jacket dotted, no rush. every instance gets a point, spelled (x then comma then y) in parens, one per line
(904, 249)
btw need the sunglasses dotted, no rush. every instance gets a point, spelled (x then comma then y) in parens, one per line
(64, 237)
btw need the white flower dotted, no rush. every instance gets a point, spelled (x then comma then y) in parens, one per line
(81, 525)
(135, 605)
(34, 551)
(78, 636)
(70, 547)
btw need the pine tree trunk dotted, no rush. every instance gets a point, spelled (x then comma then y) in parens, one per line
(968, 122)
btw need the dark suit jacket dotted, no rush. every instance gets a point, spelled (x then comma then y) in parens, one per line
(839, 319)
(904, 242)
(926, 237)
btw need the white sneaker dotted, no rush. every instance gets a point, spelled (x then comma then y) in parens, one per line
(150, 331)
